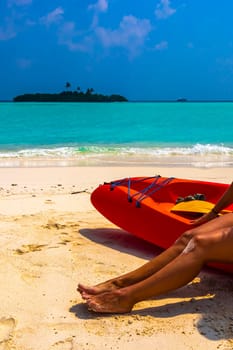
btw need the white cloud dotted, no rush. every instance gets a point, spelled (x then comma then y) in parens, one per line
(53, 17)
(99, 6)
(69, 36)
(164, 10)
(163, 45)
(131, 34)
(14, 20)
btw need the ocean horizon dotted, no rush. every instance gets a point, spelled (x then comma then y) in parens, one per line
(197, 134)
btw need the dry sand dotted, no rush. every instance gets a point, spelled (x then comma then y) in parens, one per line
(52, 238)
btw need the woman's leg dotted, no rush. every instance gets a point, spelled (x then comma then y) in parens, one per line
(159, 261)
(140, 273)
(217, 246)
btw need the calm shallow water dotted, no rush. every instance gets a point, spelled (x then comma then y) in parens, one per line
(196, 134)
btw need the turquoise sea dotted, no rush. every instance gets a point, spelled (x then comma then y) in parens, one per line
(196, 134)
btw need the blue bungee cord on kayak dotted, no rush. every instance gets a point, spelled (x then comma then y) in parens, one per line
(154, 188)
(145, 192)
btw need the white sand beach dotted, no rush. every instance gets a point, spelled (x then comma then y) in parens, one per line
(51, 238)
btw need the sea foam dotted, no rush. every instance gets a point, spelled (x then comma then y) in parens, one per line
(206, 155)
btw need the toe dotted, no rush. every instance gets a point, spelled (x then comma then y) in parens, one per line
(85, 296)
(81, 287)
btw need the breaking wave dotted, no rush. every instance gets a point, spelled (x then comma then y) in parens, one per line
(207, 155)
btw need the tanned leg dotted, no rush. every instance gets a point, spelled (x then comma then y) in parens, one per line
(137, 275)
(158, 262)
(201, 249)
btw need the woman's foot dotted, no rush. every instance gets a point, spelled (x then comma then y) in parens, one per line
(107, 286)
(115, 301)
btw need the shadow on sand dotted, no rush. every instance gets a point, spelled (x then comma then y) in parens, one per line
(209, 298)
(122, 241)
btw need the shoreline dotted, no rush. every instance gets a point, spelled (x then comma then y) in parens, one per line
(198, 162)
(52, 238)
(195, 155)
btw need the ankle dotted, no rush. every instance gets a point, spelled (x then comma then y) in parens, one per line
(127, 295)
(120, 282)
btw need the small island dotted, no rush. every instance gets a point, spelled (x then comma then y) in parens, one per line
(70, 96)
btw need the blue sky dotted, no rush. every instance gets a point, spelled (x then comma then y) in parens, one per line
(147, 50)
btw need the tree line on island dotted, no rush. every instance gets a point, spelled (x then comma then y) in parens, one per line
(70, 96)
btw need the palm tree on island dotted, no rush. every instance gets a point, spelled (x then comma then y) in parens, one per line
(68, 85)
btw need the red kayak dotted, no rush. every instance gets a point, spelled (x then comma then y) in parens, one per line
(157, 209)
